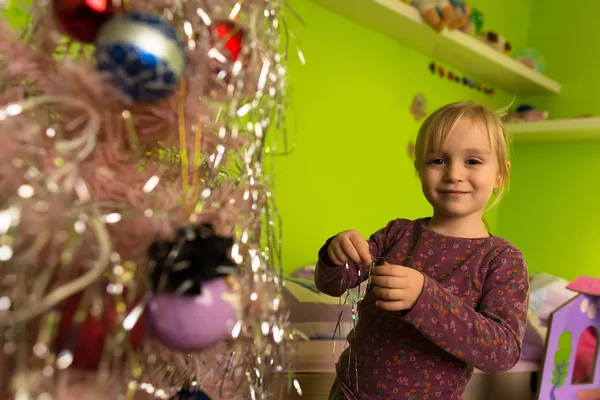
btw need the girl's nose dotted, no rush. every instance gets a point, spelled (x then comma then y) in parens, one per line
(454, 172)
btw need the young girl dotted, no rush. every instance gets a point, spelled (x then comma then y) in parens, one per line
(446, 296)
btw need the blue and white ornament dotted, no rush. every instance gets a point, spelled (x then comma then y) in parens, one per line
(142, 54)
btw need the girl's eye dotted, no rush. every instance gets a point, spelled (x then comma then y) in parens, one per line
(437, 161)
(473, 162)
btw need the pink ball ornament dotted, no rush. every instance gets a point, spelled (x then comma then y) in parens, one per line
(193, 323)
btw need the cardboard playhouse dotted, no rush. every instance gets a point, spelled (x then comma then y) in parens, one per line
(571, 367)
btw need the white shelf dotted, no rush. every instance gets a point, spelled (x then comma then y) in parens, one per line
(559, 130)
(403, 23)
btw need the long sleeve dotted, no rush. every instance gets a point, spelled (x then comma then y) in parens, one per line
(334, 280)
(489, 338)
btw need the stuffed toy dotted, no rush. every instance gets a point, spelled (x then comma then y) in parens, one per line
(437, 13)
(463, 14)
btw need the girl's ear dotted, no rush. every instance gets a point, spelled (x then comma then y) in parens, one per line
(499, 179)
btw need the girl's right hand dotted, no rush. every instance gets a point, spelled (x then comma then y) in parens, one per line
(349, 246)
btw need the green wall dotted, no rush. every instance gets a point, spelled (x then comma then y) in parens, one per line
(551, 211)
(568, 39)
(351, 124)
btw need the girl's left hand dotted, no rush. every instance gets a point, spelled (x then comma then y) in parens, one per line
(396, 287)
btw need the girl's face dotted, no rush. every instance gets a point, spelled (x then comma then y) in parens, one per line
(459, 179)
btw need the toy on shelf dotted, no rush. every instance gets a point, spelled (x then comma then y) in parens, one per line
(570, 369)
(527, 113)
(475, 24)
(463, 14)
(438, 14)
(496, 41)
(531, 58)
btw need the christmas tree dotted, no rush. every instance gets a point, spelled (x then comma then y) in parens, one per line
(139, 239)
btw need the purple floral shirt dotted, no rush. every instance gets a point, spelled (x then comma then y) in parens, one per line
(472, 313)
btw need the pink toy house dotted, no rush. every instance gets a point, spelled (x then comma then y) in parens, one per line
(571, 368)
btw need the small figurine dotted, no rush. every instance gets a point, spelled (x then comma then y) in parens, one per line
(410, 149)
(418, 107)
(531, 58)
(475, 24)
(496, 41)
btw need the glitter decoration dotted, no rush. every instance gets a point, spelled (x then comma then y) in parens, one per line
(93, 175)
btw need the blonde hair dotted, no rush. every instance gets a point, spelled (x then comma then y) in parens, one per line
(437, 127)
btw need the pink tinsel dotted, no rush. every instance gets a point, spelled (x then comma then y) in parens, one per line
(134, 145)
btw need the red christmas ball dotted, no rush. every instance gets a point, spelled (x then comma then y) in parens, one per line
(81, 19)
(231, 36)
(86, 341)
